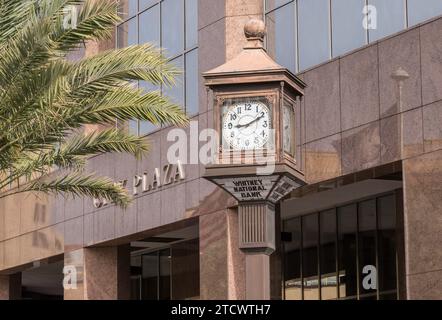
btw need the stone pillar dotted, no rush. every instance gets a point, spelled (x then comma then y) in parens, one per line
(10, 287)
(238, 13)
(423, 225)
(222, 264)
(101, 273)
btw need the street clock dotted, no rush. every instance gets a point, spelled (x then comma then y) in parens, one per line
(254, 108)
(255, 103)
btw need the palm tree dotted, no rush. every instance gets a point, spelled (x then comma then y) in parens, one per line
(46, 100)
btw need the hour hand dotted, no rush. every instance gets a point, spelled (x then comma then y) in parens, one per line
(248, 124)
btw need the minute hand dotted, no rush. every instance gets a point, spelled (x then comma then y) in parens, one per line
(251, 122)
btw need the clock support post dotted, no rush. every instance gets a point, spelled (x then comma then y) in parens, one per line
(254, 114)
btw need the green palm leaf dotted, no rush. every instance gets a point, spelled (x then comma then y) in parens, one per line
(46, 100)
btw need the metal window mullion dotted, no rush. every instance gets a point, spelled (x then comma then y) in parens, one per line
(170, 273)
(338, 294)
(357, 252)
(330, 32)
(407, 22)
(184, 54)
(318, 254)
(158, 274)
(302, 256)
(297, 35)
(377, 249)
(367, 31)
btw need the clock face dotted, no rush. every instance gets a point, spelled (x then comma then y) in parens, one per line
(246, 125)
(287, 134)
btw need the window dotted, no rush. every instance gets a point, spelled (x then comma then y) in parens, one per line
(347, 253)
(172, 25)
(282, 42)
(304, 33)
(314, 32)
(171, 273)
(348, 32)
(390, 18)
(419, 11)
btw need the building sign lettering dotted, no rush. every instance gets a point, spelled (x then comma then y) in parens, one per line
(151, 181)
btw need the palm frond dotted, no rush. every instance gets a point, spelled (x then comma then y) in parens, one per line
(46, 100)
(78, 185)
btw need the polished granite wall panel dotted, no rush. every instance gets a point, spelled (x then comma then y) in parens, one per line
(173, 204)
(104, 224)
(423, 213)
(212, 43)
(75, 259)
(213, 256)
(37, 211)
(100, 274)
(2, 255)
(235, 259)
(359, 88)
(126, 220)
(12, 252)
(402, 136)
(401, 51)
(431, 48)
(432, 117)
(88, 230)
(127, 167)
(322, 101)
(2, 220)
(323, 158)
(210, 11)
(425, 286)
(10, 287)
(222, 264)
(12, 215)
(361, 148)
(74, 234)
(192, 197)
(149, 211)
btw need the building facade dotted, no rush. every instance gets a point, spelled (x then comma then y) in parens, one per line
(368, 138)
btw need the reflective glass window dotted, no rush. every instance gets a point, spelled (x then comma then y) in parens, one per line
(172, 22)
(347, 259)
(328, 249)
(127, 8)
(127, 33)
(191, 23)
(310, 257)
(192, 82)
(281, 25)
(367, 249)
(419, 10)
(387, 245)
(347, 25)
(390, 18)
(292, 260)
(314, 32)
(149, 26)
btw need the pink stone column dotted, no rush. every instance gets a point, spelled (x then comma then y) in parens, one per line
(101, 274)
(10, 287)
(222, 264)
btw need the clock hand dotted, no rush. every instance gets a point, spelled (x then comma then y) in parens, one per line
(248, 124)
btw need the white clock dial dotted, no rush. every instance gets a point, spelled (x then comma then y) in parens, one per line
(246, 125)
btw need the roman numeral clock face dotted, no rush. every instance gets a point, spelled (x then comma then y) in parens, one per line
(246, 125)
